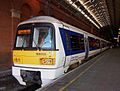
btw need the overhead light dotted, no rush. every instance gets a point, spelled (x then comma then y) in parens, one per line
(119, 29)
(92, 0)
(92, 9)
(86, 2)
(90, 6)
(115, 38)
(89, 12)
(96, 4)
(74, 5)
(82, 12)
(70, 1)
(101, 13)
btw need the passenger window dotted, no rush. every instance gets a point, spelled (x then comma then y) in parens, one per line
(81, 42)
(91, 43)
(67, 40)
(97, 43)
(77, 42)
(74, 42)
(94, 43)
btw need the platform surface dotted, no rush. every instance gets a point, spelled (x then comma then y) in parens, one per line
(101, 73)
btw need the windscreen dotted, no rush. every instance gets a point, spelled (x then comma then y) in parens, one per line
(35, 36)
(43, 38)
(23, 38)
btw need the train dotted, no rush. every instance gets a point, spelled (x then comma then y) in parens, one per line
(46, 47)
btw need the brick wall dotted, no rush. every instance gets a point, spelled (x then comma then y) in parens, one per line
(5, 31)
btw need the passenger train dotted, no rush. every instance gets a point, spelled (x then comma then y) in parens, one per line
(46, 47)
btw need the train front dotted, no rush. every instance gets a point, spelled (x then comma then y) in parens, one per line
(34, 53)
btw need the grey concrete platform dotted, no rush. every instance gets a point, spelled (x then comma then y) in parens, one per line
(101, 73)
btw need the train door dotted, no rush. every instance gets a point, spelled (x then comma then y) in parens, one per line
(86, 42)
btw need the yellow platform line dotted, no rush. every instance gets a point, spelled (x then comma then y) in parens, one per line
(63, 88)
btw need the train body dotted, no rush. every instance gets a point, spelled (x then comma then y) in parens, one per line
(46, 47)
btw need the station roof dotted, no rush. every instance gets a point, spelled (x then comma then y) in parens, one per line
(104, 14)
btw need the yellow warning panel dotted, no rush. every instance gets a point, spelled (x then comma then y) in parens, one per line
(34, 57)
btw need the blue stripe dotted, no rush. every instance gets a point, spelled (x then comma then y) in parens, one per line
(63, 36)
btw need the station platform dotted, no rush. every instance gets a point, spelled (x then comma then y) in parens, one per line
(101, 73)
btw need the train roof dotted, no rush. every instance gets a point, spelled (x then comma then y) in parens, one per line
(50, 19)
(41, 19)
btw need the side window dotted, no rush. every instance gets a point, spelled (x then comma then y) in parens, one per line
(97, 43)
(92, 43)
(67, 40)
(74, 42)
(90, 39)
(77, 42)
(103, 44)
(81, 42)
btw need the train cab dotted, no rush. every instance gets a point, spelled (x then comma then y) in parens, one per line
(37, 50)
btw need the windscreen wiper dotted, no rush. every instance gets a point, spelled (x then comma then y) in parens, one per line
(36, 45)
(23, 42)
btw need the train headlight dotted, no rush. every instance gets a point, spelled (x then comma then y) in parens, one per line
(48, 61)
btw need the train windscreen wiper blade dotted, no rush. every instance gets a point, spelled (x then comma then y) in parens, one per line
(23, 42)
(36, 45)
